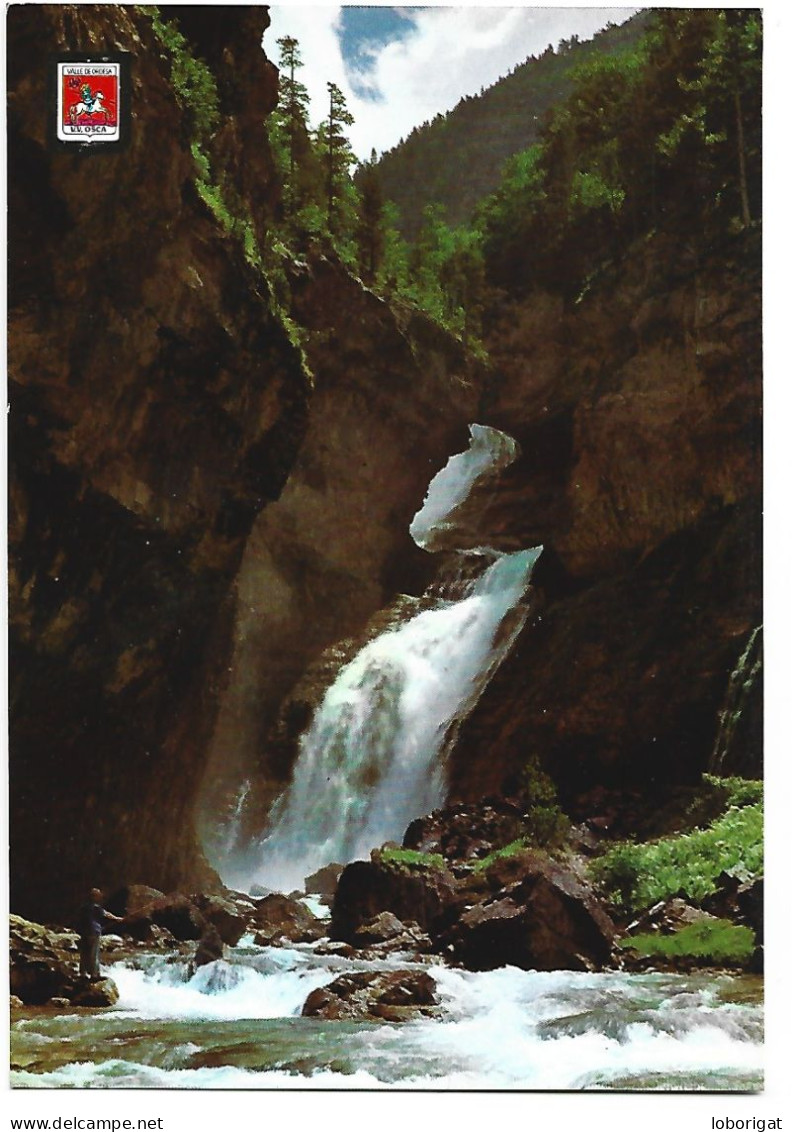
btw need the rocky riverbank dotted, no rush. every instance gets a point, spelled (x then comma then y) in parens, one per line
(470, 888)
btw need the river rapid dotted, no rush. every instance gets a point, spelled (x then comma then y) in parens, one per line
(236, 1023)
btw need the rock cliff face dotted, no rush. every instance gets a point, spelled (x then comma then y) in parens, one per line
(638, 413)
(157, 408)
(139, 337)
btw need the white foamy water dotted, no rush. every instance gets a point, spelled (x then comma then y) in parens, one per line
(238, 1025)
(490, 451)
(372, 759)
(220, 990)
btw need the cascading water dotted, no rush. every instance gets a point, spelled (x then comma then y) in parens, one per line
(489, 452)
(374, 756)
(371, 760)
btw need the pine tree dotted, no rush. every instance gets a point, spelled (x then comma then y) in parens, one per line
(370, 233)
(339, 156)
(293, 110)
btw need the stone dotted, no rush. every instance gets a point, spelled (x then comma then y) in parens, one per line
(535, 914)
(385, 934)
(230, 918)
(131, 899)
(101, 992)
(282, 919)
(467, 831)
(41, 967)
(367, 888)
(324, 881)
(210, 947)
(175, 912)
(392, 996)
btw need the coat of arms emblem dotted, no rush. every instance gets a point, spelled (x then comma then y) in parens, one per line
(89, 102)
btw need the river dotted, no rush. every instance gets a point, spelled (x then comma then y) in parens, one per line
(236, 1024)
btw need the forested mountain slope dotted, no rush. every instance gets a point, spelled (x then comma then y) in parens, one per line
(456, 159)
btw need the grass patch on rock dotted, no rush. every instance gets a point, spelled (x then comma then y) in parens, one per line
(410, 859)
(710, 941)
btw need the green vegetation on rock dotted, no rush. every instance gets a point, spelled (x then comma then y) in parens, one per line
(636, 876)
(712, 941)
(511, 850)
(410, 859)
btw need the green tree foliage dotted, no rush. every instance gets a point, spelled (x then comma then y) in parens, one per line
(371, 220)
(665, 131)
(484, 131)
(710, 942)
(192, 81)
(338, 158)
(288, 126)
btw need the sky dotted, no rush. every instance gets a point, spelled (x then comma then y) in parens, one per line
(400, 66)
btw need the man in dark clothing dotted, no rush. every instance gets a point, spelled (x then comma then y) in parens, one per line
(90, 922)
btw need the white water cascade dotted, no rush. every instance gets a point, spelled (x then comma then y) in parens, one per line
(373, 759)
(490, 451)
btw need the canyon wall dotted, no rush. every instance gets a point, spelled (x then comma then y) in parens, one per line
(638, 410)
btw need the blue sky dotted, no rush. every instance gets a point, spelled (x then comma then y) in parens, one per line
(400, 66)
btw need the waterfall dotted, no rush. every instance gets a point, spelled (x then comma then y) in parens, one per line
(373, 758)
(490, 451)
(737, 705)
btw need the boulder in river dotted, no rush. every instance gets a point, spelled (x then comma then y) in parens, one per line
(384, 884)
(389, 996)
(44, 968)
(175, 912)
(324, 881)
(386, 933)
(532, 912)
(100, 992)
(132, 898)
(229, 917)
(283, 919)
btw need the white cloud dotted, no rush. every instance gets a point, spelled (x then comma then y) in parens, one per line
(452, 51)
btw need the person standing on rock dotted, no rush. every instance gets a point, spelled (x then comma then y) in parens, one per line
(90, 923)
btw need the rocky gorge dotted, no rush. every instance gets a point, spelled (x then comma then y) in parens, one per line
(217, 456)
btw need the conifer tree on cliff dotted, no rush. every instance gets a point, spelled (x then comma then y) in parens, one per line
(338, 154)
(370, 234)
(292, 114)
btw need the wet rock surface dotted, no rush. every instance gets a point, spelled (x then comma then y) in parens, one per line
(368, 888)
(282, 919)
(527, 911)
(392, 996)
(44, 968)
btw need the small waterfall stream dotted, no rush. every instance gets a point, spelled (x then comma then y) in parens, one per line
(373, 757)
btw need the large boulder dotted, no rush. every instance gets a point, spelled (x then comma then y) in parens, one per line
(533, 913)
(175, 912)
(44, 968)
(324, 881)
(131, 899)
(386, 933)
(390, 996)
(467, 831)
(100, 992)
(410, 892)
(229, 917)
(43, 963)
(210, 947)
(282, 919)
